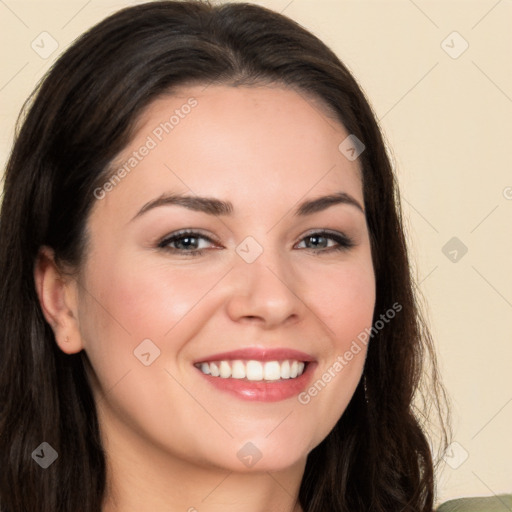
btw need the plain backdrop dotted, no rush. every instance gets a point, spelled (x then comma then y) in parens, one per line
(439, 77)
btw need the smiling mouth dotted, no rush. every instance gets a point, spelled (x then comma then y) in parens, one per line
(253, 370)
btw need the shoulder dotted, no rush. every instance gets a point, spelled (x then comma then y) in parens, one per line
(498, 503)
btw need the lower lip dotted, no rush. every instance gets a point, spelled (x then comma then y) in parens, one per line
(263, 391)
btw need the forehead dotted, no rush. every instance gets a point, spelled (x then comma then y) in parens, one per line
(235, 142)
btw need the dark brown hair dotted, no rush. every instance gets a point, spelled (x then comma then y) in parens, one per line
(377, 458)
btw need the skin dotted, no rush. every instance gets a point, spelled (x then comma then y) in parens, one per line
(172, 438)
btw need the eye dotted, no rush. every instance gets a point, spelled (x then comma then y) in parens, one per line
(186, 242)
(320, 240)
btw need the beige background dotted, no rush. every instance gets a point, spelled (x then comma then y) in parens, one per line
(449, 123)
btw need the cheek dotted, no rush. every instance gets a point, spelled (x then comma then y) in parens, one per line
(146, 300)
(130, 301)
(123, 308)
(343, 298)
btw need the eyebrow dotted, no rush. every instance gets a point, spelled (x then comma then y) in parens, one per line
(217, 207)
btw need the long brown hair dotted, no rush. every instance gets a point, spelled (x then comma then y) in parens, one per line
(83, 114)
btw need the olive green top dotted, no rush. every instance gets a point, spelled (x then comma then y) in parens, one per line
(498, 503)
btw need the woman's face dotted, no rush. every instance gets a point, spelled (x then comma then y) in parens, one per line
(264, 284)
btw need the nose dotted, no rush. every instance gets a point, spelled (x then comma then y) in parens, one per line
(264, 291)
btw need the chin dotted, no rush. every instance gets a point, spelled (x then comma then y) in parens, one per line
(260, 454)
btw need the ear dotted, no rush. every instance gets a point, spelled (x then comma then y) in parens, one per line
(58, 299)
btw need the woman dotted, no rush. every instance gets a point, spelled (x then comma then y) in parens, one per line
(206, 294)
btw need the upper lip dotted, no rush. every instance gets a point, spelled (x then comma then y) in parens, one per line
(259, 354)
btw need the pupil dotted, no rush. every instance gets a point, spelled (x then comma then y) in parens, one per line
(186, 241)
(316, 239)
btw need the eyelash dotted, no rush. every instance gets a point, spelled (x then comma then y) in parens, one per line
(344, 242)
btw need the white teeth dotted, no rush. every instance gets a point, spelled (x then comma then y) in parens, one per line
(225, 370)
(237, 370)
(293, 370)
(272, 370)
(214, 370)
(253, 370)
(285, 370)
